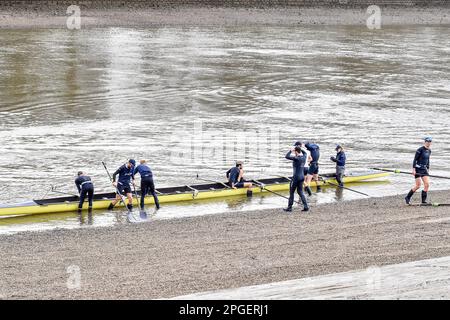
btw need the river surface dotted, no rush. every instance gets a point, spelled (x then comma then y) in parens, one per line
(194, 100)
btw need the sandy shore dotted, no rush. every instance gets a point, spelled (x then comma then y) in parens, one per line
(223, 17)
(168, 258)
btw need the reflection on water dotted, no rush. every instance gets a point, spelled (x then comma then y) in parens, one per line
(69, 100)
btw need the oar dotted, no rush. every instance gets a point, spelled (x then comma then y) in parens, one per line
(262, 186)
(206, 180)
(349, 189)
(60, 192)
(409, 173)
(142, 212)
(117, 190)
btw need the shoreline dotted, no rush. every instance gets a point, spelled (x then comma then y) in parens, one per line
(224, 16)
(168, 258)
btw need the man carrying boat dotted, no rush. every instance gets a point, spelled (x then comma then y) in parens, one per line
(123, 187)
(147, 184)
(421, 167)
(313, 170)
(340, 160)
(85, 188)
(298, 157)
(236, 180)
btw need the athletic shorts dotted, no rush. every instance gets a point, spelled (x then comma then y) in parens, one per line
(313, 168)
(124, 188)
(421, 173)
(239, 184)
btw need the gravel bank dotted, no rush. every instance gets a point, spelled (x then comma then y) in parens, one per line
(175, 257)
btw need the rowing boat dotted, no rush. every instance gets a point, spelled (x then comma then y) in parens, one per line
(172, 194)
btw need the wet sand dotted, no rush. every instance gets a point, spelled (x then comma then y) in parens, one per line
(222, 16)
(168, 258)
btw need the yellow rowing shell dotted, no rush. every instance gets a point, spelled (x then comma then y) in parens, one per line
(168, 195)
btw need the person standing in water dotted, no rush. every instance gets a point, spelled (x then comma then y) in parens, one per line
(298, 157)
(147, 184)
(340, 160)
(123, 185)
(85, 188)
(420, 171)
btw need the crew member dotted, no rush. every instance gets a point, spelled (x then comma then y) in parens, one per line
(147, 184)
(340, 160)
(299, 159)
(421, 167)
(85, 188)
(123, 187)
(236, 180)
(313, 170)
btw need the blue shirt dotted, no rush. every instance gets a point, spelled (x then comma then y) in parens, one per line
(422, 158)
(298, 164)
(315, 151)
(340, 159)
(233, 175)
(125, 174)
(82, 181)
(144, 170)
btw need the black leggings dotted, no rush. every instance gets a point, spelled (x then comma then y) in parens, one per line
(86, 191)
(148, 187)
(297, 184)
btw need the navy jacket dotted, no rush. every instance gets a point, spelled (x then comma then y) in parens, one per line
(144, 170)
(422, 158)
(298, 164)
(83, 181)
(314, 150)
(125, 174)
(340, 159)
(233, 175)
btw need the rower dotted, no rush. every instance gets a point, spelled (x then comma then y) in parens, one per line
(126, 176)
(340, 160)
(236, 180)
(299, 159)
(313, 170)
(147, 184)
(421, 167)
(85, 188)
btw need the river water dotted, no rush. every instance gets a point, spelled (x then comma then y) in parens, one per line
(194, 100)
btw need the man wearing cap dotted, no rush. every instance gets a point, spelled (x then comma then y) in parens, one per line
(85, 188)
(235, 178)
(147, 184)
(126, 177)
(298, 157)
(340, 160)
(421, 165)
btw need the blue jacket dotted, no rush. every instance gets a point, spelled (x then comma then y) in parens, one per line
(422, 158)
(315, 151)
(340, 159)
(144, 170)
(82, 181)
(233, 175)
(125, 174)
(298, 164)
